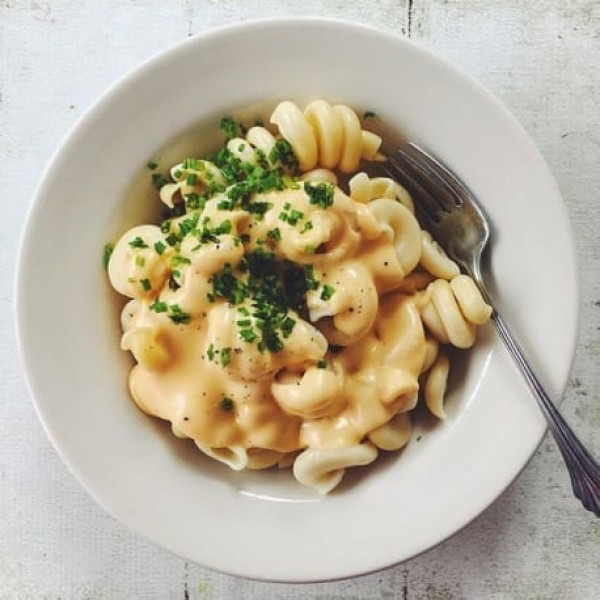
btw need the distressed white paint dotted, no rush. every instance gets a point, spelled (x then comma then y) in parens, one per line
(540, 57)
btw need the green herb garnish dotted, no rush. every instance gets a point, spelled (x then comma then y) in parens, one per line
(229, 127)
(282, 152)
(108, 250)
(138, 242)
(178, 260)
(292, 216)
(327, 292)
(177, 315)
(320, 193)
(225, 356)
(274, 234)
(210, 353)
(159, 180)
(192, 163)
(248, 335)
(159, 307)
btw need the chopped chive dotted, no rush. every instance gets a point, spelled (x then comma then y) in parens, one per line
(146, 284)
(159, 247)
(192, 163)
(248, 335)
(159, 180)
(327, 292)
(322, 364)
(210, 352)
(194, 201)
(282, 151)
(225, 205)
(140, 261)
(274, 234)
(177, 315)
(172, 239)
(178, 259)
(294, 216)
(138, 242)
(287, 326)
(159, 306)
(225, 356)
(320, 193)
(229, 127)
(151, 165)
(108, 250)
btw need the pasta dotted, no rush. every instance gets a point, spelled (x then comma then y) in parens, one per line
(278, 320)
(323, 469)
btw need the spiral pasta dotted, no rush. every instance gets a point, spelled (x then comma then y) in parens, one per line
(323, 469)
(364, 189)
(325, 135)
(285, 314)
(190, 177)
(434, 260)
(435, 386)
(451, 310)
(392, 435)
(235, 457)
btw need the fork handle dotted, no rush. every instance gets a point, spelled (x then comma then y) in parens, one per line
(583, 468)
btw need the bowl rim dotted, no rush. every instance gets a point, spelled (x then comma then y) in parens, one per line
(167, 54)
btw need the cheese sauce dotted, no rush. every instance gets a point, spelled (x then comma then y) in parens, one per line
(279, 320)
(222, 405)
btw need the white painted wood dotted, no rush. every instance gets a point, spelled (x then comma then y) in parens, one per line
(541, 58)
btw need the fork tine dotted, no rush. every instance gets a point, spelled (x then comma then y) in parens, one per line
(427, 205)
(450, 183)
(428, 171)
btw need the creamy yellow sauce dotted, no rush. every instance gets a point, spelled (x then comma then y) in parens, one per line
(377, 375)
(380, 299)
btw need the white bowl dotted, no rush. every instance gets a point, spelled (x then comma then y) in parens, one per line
(261, 525)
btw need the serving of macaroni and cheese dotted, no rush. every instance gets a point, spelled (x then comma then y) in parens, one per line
(278, 319)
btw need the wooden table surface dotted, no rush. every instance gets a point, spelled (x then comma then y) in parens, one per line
(542, 58)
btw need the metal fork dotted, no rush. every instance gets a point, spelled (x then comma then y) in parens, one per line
(451, 213)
